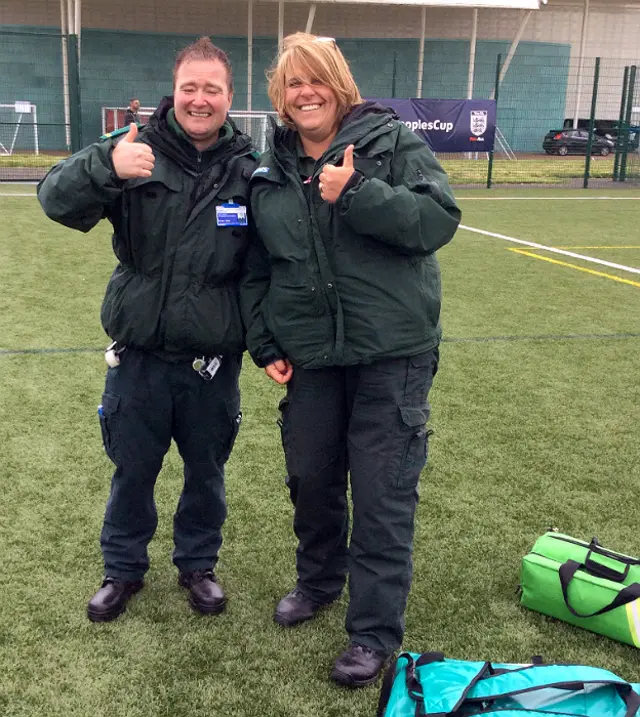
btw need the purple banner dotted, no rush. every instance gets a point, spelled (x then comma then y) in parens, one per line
(449, 125)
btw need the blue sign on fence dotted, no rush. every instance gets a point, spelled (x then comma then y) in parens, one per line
(449, 125)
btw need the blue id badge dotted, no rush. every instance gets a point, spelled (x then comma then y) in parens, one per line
(231, 215)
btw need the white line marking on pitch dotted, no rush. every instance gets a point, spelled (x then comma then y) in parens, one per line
(610, 264)
(9, 194)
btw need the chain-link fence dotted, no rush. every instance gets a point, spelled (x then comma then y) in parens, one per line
(561, 120)
(34, 109)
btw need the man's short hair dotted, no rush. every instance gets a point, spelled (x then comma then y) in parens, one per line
(203, 49)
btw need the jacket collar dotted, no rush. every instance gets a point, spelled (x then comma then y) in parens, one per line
(161, 136)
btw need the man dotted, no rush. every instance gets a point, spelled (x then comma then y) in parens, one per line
(132, 113)
(175, 192)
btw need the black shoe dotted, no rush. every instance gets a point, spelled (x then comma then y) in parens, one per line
(111, 600)
(295, 608)
(357, 666)
(205, 595)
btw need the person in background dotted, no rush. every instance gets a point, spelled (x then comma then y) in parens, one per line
(175, 192)
(132, 113)
(342, 303)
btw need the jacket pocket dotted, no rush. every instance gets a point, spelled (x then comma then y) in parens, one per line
(376, 167)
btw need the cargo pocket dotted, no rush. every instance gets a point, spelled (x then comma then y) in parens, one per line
(283, 408)
(415, 446)
(108, 414)
(235, 427)
(283, 422)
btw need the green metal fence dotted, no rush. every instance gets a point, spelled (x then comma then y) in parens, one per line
(561, 121)
(627, 160)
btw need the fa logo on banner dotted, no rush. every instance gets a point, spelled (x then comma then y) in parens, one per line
(478, 122)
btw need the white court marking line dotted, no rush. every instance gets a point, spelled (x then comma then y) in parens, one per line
(546, 199)
(572, 254)
(16, 194)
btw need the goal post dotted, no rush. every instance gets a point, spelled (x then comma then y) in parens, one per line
(18, 128)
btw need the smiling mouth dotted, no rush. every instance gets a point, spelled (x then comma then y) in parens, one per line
(309, 108)
(199, 114)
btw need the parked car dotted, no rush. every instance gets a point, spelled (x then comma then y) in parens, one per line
(576, 141)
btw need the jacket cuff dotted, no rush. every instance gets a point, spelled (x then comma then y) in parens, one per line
(116, 179)
(353, 183)
(263, 362)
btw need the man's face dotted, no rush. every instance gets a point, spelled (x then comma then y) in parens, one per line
(135, 105)
(202, 100)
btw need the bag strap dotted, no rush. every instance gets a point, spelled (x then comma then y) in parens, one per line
(563, 677)
(570, 568)
(387, 684)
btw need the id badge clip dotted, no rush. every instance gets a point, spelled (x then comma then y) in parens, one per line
(231, 215)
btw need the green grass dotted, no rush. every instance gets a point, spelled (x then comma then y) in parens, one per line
(31, 160)
(530, 432)
(549, 170)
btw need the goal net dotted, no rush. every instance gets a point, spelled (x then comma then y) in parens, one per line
(18, 129)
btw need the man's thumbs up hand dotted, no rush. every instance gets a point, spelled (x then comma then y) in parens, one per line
(132, 134)
(132, 159)
(333, 179)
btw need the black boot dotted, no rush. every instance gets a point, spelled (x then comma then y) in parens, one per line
(357, 666)
(111, 600)
(205, 595)
(294, 608)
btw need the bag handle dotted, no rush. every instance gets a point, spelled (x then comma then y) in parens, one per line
(626, 595)
(603, 571)
(595, 547)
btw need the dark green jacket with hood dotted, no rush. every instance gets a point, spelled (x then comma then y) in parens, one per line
(355, 281)
(175, 289)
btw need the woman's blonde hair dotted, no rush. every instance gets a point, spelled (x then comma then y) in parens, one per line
(320, 59)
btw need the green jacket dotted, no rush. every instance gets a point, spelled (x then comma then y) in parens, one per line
(358, 280)
(175, 289)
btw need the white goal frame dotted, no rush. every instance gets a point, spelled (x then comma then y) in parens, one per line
(16, 107)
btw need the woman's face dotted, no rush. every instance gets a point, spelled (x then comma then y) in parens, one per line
(312, 106)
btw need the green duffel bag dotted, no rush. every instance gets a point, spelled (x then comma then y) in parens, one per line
(583, 584)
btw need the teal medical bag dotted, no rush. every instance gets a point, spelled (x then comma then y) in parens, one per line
(428, 685)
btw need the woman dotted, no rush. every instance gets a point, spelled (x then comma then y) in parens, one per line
(341, 303)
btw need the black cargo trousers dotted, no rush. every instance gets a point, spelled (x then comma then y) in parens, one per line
(147, 402)
(368, 421)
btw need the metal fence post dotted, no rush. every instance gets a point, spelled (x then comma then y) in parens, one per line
(496, 95)
(627, 123)
(623, 107)
(592, 122)
(395, 73)
(75, 115)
